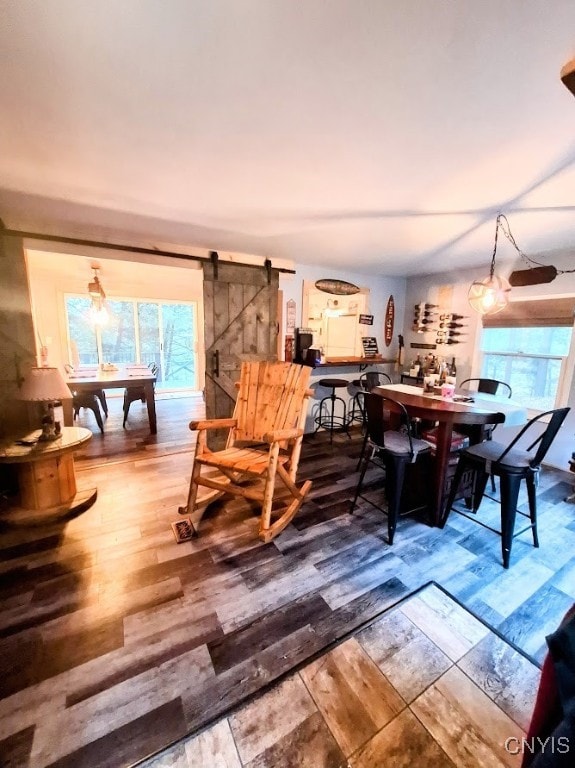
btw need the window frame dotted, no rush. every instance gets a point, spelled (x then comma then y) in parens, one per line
(567, 366)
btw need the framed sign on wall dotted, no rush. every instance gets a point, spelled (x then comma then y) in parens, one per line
(389, 321)
(290, 317)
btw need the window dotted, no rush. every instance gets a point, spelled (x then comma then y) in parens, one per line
(527, 346)
(530, 360)
(138, 331)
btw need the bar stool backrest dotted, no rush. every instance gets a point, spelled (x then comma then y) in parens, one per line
(378, 410)
(545, 438)
(371, 379)
(489, 386)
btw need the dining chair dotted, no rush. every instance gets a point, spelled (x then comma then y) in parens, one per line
(99, 393)
(131, 394)
(89, 400)
(366, 382)
(392, 450)
(488, 387)
(263, 447)
(512, 464)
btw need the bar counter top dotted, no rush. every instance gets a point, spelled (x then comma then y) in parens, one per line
(334, 362)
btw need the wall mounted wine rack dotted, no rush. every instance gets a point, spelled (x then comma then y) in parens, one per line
(448, 327)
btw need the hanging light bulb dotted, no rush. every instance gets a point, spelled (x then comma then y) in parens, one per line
(98, 311)
(99, 314)
(490, 295)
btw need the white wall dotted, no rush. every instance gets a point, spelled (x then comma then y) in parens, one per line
(51, 275)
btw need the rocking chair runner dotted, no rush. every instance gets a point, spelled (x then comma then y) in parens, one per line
(264, 442)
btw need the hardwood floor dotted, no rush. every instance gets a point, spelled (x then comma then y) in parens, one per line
(116, 641)
(426, 684)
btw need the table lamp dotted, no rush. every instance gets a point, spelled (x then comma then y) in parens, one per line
(45, 385)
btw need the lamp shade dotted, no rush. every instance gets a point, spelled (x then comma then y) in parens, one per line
(489, 296)
(44, 385)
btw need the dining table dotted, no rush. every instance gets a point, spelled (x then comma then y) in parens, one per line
(116, 377)
(464, 407)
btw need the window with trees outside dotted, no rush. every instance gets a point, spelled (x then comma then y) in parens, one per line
(138, 331)
(530, 359)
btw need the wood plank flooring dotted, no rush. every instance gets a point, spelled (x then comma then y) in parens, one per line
(426, 684)
(116, 641)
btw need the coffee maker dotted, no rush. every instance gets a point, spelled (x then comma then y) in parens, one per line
(302, 342)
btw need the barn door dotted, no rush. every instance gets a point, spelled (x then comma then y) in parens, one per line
(240, 308)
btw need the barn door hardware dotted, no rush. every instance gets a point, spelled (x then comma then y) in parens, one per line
(214, 258)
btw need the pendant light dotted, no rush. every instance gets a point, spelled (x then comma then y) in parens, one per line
(98, 309)
(491, 295)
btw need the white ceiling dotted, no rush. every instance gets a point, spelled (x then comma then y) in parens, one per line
(369, 135)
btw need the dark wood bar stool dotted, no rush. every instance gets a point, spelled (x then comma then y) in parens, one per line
(327, 418)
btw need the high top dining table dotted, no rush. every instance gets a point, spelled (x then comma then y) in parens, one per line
(485, 409)
(119, 378)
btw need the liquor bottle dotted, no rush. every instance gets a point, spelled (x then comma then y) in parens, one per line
(442, 371)
(426, 313)
(425, 321)
(453, 333)
(426, 306)
(451, 325)
(453, 341)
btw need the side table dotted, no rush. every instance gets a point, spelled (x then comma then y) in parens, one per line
(46, 475)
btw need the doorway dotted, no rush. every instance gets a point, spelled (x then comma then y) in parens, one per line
(155, 314)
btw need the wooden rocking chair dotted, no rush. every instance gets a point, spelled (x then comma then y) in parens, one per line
(264, 443)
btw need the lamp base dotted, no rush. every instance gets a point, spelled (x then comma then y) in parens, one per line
(51, 429)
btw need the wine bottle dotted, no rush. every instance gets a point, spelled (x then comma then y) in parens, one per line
(426, 313)
(425, 321)
(452, 341)
(451, 325)
(454, 333)
(452, 316)
(426, 306)
(453, 368)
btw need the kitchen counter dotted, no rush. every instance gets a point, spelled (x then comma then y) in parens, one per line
(363, 362)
